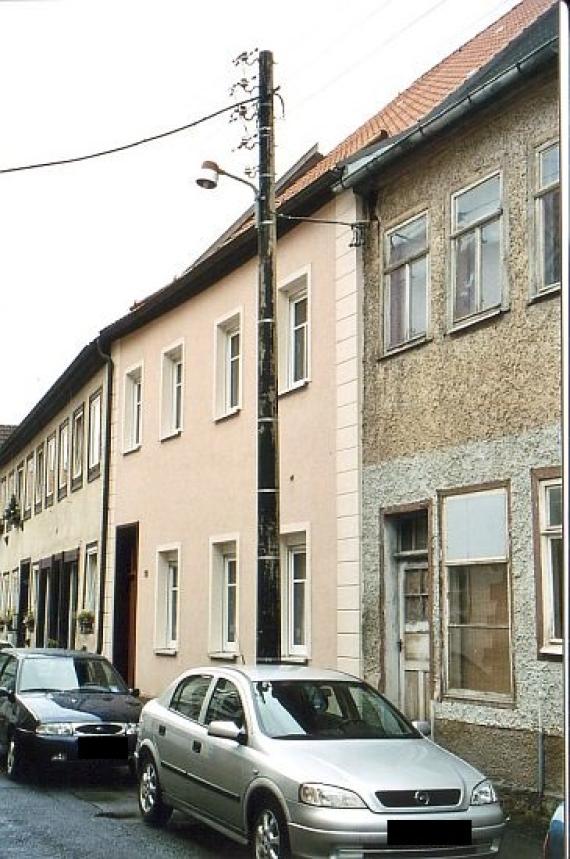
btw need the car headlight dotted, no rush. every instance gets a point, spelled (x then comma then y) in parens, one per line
(483, 794)
(132, 728)
(325, 796)
(55, 729)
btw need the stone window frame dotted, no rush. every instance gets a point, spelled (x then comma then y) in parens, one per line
(540, 476)
(295, 539)
(465, 695)
(387, 270)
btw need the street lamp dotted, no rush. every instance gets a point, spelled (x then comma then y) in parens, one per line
(268, 645)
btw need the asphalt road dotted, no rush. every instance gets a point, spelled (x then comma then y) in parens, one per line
(79, 815)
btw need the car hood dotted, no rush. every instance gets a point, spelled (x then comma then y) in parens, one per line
(373, 765)
(82, 706)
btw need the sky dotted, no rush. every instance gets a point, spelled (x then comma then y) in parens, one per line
(80, 243)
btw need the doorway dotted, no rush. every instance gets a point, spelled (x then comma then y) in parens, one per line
(125, 614)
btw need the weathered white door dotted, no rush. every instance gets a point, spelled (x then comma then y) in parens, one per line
(414, 641)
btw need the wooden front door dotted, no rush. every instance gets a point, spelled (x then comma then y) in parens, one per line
(125, 613)
(414, 642)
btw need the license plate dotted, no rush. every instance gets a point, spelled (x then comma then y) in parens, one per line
(107, 748)
(429, 833)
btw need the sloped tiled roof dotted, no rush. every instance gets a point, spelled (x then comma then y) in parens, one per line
(430, 89)
(5, 432)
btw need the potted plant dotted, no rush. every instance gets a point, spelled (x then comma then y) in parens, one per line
(86, 620)
(29, 620)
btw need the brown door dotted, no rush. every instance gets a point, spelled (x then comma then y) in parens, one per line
(125, 614)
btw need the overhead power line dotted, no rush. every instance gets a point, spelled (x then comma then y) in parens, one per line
(131, 145)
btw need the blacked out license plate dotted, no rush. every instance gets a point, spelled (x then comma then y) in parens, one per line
(429, 833)
(107, 748)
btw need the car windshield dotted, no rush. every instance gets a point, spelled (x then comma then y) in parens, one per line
(320, 710)
(66, 673)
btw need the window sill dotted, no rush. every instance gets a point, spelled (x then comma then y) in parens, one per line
(480, 699)
(62, 493)
(232, 413)
(300, 386)
(544, 294)
(175, 434)
(27, 514)
(550, 653)
(295, 660)
(49, 501)
(93, 472)
(77, 483)
(221, 656)
(165, 651)
(130, 450)
(404, 347)
(473, 321)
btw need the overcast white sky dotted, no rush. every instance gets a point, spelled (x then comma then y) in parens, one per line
(79, 243)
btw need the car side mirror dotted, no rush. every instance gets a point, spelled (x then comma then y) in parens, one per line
(227, 731)
(423, 727)
(135, 692)
(7, 693)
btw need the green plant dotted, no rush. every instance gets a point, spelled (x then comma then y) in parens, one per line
(52, 642)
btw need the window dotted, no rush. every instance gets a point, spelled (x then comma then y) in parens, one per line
(477, 588)
(295, 595)
(172, 391)
(77, 448)
(224, 596)
(294, 332)
(20, 484)
(132, 418)
(29, 491)
(50, 474)
(549, 560)
(63, 472)
(228, 366)
(188, 699)
(40, 478)
(91, 579)
(476, 250)
(94, 450)
(406, 282)
(167, 601)
(225, 704)
(3, 496)
(547, 219)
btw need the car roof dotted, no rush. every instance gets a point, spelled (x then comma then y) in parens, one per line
(278, 671)
(22, 652)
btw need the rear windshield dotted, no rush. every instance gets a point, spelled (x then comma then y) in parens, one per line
(319, 710)
(66, 673)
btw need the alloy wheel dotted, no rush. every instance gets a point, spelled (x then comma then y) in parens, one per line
(148, 788)
(267, 836)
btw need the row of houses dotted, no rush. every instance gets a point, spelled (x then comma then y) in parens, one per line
(420, 429)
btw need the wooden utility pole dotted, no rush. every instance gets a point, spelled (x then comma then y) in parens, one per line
(268, 564)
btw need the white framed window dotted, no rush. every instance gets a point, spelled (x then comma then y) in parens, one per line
(50, 470)
(20, 485)
(40, 477)
(406, 278)
(77, 435)
(294, 331)
(63, 460)
(167, 598)
(172, 390)
(91, 578)
(476, 580)
(549, 564)
(224, 595)
(3, 496)
(228, 365)
(132, 414)
(94, 448)
(29, 492)
(295, 593)
(476, 245)
(547, 218)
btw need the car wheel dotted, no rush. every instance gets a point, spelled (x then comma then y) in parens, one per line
(154, 810)
(270, 836)
(14, 766)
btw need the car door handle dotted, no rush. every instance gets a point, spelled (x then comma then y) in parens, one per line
(161, 730)
(196, 746)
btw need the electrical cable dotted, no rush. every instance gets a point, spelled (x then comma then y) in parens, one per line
(125, 146)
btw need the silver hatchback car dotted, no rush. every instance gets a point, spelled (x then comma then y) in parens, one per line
(311, 763)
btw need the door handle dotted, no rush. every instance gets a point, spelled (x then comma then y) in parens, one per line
(161, 730)
(196, 746)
